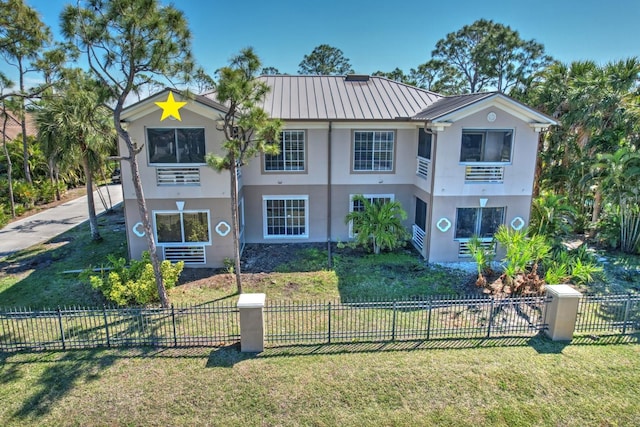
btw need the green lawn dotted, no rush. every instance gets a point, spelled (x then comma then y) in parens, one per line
(518, 382)
(510, 382)
(35, 277)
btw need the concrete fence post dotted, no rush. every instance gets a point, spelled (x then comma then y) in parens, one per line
(251, 322)
(561, 312)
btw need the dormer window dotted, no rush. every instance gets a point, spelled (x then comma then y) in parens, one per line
(486, 146)
(176, 146)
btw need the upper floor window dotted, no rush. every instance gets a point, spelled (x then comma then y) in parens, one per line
(373, 151)
(292, 153)
(175, 146)
(487, 146)
(182, 227)
(482, 222)
(424, 144)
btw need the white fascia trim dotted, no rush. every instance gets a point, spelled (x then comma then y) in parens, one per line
(509, 106)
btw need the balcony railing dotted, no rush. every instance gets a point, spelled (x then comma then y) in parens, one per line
(422, 170)
(484, 173)
(418, 237)
(178, 176)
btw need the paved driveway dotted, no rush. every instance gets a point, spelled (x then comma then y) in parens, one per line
(47, 224)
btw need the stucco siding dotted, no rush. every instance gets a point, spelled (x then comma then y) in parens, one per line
(442, 245)
(219, 210)
(212, 183)
(449, 173)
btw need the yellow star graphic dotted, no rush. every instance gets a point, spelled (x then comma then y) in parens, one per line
(170, 107)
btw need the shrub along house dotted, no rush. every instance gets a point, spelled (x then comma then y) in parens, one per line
(459, 165)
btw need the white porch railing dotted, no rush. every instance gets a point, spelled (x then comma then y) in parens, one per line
(178, 176)
(463, 250)
(422, 169)
(484, 173)
(418, 237)
(188, 254)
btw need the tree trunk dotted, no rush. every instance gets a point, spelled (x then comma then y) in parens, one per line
(12, 202)
(597, 205)
(25, 146)
(93, 219)
(235, 226)
(142, 207)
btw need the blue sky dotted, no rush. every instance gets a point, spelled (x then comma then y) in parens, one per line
(381, 35)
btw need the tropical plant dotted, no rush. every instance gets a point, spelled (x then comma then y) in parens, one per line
(483, 256)
(134, 284)
(551, 216)
(74, 126)
(246, 127)
(523, 255)
(378, 225)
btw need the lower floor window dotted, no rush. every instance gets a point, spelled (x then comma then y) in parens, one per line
(182, 227)
(358, 206)
(285, 216)
(481, 222)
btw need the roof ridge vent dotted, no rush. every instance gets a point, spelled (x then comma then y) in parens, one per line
(357, 78)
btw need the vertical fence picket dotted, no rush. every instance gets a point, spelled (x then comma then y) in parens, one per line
(429, 320)
(329, 323)
(106, 325)
(64, 345)
(173, 324)
(393, 322)
(626, 314)
(490, 318)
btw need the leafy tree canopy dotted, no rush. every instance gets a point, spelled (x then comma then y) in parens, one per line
(487, 55)
(325, 60)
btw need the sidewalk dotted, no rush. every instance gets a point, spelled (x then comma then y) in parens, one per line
(49, 223)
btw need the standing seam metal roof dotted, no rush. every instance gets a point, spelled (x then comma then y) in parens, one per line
(335, 98)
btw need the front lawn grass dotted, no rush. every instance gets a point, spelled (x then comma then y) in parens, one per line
(35, 277)
(522, 382)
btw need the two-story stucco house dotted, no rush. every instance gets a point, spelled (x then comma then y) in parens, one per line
(459, 165)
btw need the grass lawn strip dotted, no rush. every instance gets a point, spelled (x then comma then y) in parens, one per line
(528, 382)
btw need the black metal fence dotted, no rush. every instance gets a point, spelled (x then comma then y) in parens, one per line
(608, 314)
(67, 328)
(319, 322)
(454, 317)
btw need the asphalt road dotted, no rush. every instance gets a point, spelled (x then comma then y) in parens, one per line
(47, 224)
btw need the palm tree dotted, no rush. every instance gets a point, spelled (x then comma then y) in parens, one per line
(617, 176)
(378, 224)
(76, 128)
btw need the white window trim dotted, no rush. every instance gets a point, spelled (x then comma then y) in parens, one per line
(304, 152)
(353, 151)
(392, 197)
(175, 165)
(155, 227)
(265, 235)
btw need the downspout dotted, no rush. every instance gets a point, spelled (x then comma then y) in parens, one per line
(329, 257)
(427, 246)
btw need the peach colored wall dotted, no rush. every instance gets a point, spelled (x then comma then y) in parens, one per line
(219, 210)
(518, 176)
(442, 246)
(213, 184)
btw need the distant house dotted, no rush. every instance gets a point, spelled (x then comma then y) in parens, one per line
(459, 165)
(13, 128)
